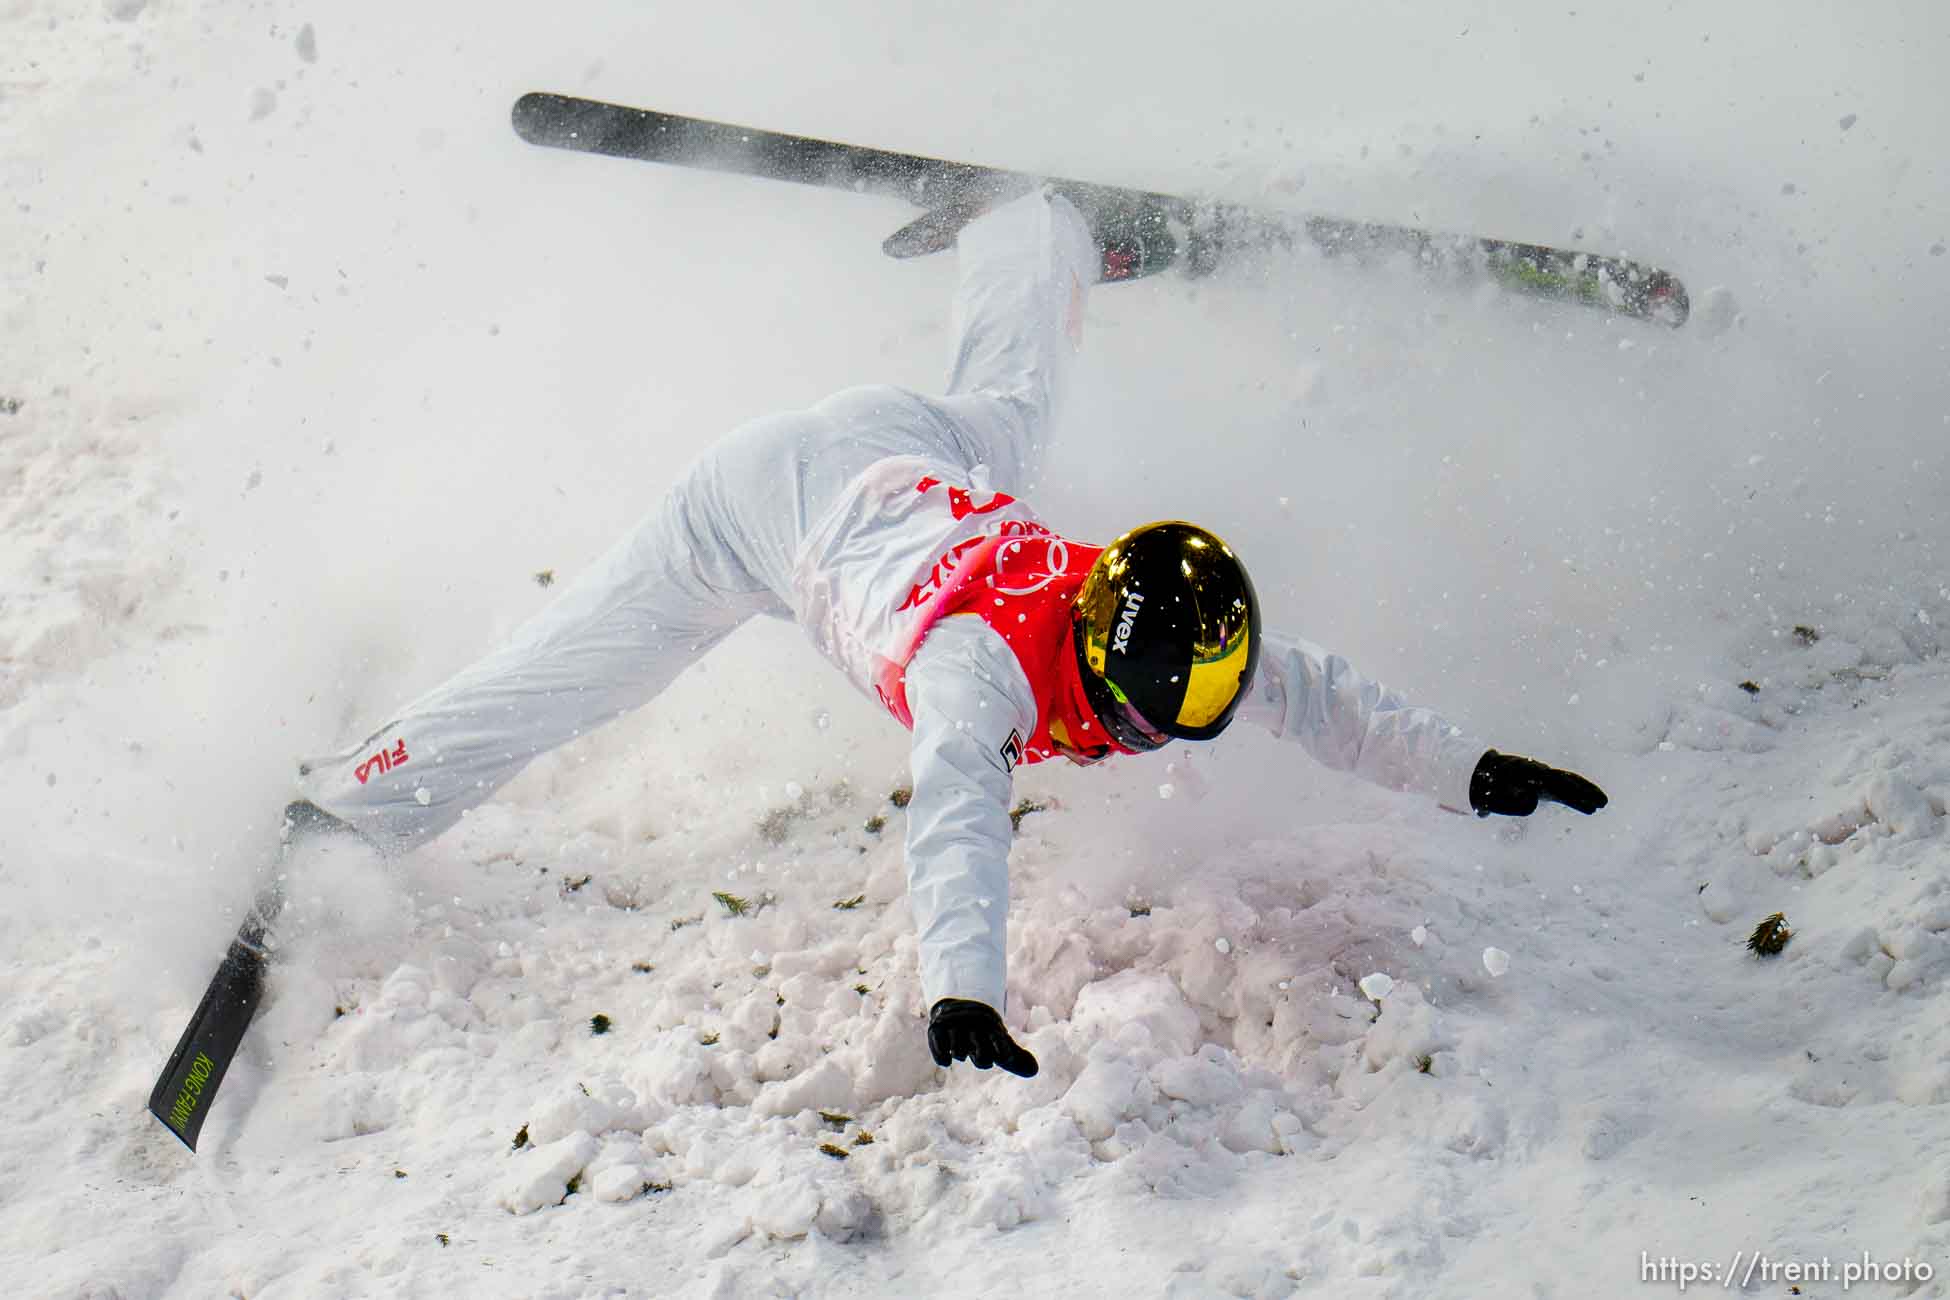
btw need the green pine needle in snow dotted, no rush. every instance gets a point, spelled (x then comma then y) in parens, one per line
(1770, 936)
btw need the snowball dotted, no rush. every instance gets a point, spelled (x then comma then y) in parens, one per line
(1377, 986)
(1224, 945)
(1420, 934)
(1495, 961)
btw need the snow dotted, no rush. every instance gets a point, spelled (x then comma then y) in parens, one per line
(309, 370)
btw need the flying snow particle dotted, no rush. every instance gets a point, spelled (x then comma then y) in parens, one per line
(263, 103)
(307, 44)
(1166, 791)
(1223, 945)
(794, 791)
(1377, 986)
(1495, 961)
(423, 796)
(1847, 121)
(1420, 934)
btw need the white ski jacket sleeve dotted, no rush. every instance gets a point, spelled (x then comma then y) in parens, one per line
(1304, 694)
(968, 693)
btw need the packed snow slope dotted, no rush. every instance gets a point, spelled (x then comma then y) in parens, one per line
(309, 369)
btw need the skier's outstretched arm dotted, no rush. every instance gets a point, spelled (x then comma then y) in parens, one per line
(1348, 722)
(968, 698)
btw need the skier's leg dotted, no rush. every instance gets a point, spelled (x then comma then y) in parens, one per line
(644, 612)
(1018, 318)
(1024, 270)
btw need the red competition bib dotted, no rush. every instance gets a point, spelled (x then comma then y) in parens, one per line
(1021, 582)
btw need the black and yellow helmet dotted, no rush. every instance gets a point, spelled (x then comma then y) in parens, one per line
(1166, 628)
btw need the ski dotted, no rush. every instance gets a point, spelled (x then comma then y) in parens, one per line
(189, 1082)
(1144, 232)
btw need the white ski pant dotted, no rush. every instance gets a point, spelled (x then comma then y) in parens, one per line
(718, 548)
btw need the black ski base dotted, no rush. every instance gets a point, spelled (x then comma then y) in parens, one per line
(1142, 231)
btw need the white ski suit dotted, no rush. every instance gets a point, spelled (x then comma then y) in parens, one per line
(815, 515)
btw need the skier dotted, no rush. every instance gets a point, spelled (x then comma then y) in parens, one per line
(886, 523)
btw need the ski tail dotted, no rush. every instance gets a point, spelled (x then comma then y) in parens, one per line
(616, 131)
(189, 1082)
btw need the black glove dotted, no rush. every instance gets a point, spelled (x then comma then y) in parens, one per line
(1508, 784)
(960, 1030)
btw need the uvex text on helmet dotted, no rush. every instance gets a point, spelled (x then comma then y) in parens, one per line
(1167, 633)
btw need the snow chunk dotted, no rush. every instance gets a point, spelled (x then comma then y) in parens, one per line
(677, 1070)
(1903, 810)
(799, 1192)
(604, 1108)
(1262, 1125)
(1209, 1079)
(1137, 1000)
(1378, 986)
(619, 1183)
(1723, 899)
(827, 1086)
(541, 1174)
(1420, 934)
(1495, 961)
(1104, 1095)
(788, 1210)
